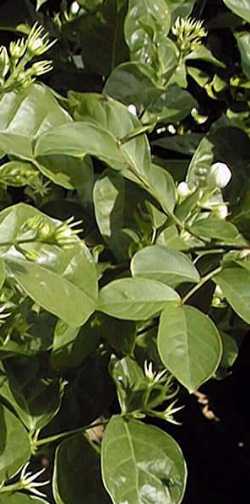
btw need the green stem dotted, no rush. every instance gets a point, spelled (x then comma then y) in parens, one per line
(203, 280)
(63, 435)
(12, 488)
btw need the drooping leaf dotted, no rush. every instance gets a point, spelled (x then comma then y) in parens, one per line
(14, 444)
(135, 298)
(235, 284)
(189, 345)
(77, 473)
(141, 463)
(165, 265)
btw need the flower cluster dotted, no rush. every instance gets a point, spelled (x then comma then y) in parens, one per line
(188, 33)
(16, 67)
(42, 230)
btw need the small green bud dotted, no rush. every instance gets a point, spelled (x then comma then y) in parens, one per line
(17, 49)
(38, 41)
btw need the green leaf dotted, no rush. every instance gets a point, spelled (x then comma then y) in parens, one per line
(131, 84)
(77, 473)
(171, 106)
(243, 41)
(62, 281)
(34, 401)
(168, 266)
(2, 273)
(189, 345)
(239, 7)
(67, 171)
(141, 463)
(235, 284)
(72, 345)
(116, 204)
(203, 53)
(145, 22)
(135, 298)
(181, 8)
(218, 229)
(162, 187)
(25, 115)
(14, 444)
(20, 498)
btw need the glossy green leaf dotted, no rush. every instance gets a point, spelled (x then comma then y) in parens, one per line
(239, 7)
(135, 298)
(37, 109)
(189, 345)
(218, 229)
(14, 444)
(77, 473)
(141, 463)
(62, 281)
(116, 204)
(243, 41)
(235, 284)
(171, 106)
(72, 345)
(168, 266)
(144, 23)
(162, 187)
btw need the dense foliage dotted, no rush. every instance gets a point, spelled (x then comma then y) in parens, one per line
(124, 228)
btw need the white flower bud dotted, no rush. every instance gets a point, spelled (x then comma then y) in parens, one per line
(221, 211)
(75, 7)
(132, 110)
(183, 190)
(219, 176)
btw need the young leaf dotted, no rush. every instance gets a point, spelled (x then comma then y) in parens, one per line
(141, 463)
(235, 284)
(168, 266)
(189, 345)
(135, 298)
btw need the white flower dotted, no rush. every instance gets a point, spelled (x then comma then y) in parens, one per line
(219, 176)
(132, 110)
(183, 190)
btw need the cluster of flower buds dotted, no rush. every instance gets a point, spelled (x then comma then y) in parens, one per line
(189, 34)
(40, 230)
(16, 67)
(217, 176)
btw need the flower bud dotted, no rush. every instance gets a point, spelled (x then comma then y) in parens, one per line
(4, 62)
(75, 7)
(221, 211)
(17, 49)
(183, 190)
(219, 176)
(132, 110)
